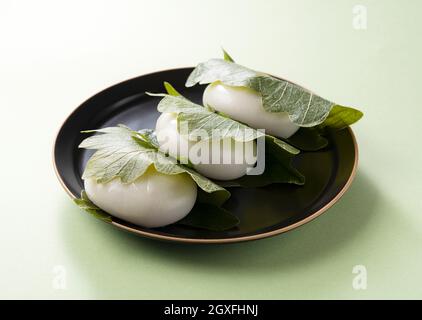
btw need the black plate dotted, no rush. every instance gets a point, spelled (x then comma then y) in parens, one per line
(263, 212)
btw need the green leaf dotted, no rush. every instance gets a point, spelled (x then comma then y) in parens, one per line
(218, 69)
(312, 139)
(278, 154)
(202, 216)
(308, 139)
(209, 217)
(170, 89)
(213, 122)
(303, 107)
(86, 204)
(278, 169)
(197, 118)
(148, 136)
(227, 57)
(176, 104)
(341, 117)
(126, 154)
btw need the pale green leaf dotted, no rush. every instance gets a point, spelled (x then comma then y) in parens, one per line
(86, 204)
(227, 57)
(304, 108)
(198, 118)
(126, 154)
(218, 69)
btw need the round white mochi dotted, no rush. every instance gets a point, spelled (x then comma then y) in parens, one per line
(179, 146)
(153, 200)
(245, 105)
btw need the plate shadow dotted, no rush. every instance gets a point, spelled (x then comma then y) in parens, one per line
(98, 249)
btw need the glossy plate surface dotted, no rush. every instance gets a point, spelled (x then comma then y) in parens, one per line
(263, 212)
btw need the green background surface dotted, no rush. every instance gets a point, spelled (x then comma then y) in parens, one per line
(54, 55)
